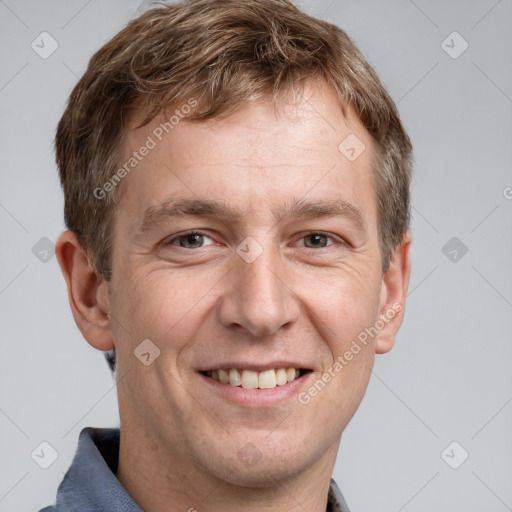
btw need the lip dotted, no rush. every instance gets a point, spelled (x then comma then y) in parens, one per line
(256, 398)
(249, 365)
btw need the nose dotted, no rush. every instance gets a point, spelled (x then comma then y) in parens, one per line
(258, 298)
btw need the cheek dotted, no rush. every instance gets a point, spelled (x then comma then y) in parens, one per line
(345, 312)
(162, 305)
(344, 303)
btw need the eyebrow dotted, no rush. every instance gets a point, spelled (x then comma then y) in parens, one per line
(299, 209)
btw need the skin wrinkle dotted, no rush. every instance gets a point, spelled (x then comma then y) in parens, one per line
(181, 354)
(195, 207)
(207, 305)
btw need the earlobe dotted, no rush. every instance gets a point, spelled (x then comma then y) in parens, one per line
(393, 295)
(87, 292)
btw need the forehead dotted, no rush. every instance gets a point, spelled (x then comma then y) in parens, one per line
(261, 155)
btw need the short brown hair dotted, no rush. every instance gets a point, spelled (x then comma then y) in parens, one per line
(228, 53)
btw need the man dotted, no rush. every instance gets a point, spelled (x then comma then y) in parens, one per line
(236, 186)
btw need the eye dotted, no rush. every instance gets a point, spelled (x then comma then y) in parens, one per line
(190, 240)
(317, 240)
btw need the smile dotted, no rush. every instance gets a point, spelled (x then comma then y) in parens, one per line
(250, 379)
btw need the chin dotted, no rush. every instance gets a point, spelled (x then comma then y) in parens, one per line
(260, 463)
(263, 475)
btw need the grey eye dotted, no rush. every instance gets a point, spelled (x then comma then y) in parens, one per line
(191, 241)
(316, 240)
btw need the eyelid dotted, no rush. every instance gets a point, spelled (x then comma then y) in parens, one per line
(168, 240)
(334, 238)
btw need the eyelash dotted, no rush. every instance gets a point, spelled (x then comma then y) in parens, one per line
(200, 233)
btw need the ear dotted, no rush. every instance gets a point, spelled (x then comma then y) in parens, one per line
(87, 292)
(393, 293)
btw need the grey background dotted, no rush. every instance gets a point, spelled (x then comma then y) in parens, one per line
(448, 378)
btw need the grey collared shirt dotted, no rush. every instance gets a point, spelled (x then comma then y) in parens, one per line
(90, 485)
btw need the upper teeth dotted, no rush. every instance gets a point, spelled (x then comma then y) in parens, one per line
(250, 379)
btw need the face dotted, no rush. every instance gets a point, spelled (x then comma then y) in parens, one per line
(246, 249)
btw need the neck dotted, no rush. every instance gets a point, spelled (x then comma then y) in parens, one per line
(161, 479)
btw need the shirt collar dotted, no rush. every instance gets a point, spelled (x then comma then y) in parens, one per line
(90, 485)
(335, 500)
